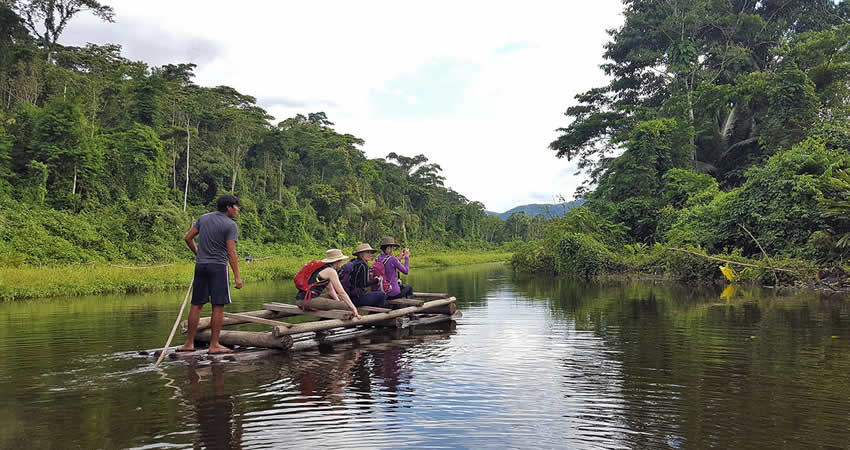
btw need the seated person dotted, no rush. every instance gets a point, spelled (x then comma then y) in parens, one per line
(355, 275)
(327, 276)
(392, 266)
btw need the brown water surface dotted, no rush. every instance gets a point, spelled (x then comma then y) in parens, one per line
(534, 362)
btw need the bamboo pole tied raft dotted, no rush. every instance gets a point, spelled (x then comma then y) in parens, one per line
(329, 327)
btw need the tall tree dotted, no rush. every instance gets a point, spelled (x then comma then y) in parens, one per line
(665, 51)
(47, 19)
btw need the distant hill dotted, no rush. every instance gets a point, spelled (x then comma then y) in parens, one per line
(547, 209)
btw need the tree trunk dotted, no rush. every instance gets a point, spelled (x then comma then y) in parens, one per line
(173, 156)
(186, 190)
(280, 182)
(74, 186)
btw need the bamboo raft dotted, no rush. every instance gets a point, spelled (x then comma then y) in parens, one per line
(332, 326)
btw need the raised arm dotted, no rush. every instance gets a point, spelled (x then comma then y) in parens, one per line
(403, 268)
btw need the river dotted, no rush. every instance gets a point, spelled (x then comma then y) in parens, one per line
(533, 362)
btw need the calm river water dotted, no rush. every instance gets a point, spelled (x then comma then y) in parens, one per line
(533, 362)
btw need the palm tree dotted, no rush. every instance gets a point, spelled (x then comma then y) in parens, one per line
(403, 216)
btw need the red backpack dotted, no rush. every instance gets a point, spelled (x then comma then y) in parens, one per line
(302, 279)
(379, 271)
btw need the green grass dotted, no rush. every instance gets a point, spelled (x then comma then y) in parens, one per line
(26, 282)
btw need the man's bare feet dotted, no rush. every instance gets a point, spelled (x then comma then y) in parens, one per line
(185, 349)
(218, 350)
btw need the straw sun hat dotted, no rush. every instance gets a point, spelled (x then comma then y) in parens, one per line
(363, 248)
(333, 255)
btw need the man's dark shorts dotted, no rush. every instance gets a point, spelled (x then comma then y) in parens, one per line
(211, 284)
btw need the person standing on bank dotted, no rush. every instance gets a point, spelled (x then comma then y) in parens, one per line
(359, 282)
(217, 234)
(392, 266)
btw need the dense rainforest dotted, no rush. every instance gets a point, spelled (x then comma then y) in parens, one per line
(107, 159)
(724, 130)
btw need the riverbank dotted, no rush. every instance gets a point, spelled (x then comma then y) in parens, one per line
(27, 282)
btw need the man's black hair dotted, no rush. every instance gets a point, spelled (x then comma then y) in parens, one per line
(226, 201)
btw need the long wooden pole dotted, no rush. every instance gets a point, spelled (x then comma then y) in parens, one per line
(365, 320)
(174, 328)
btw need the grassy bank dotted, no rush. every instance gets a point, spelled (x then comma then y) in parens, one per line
(28, 282)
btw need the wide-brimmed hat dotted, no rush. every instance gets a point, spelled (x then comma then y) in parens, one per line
(388, 241)
(333, 255)
(363, 248)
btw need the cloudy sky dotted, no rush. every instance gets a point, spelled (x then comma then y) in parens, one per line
(478, 87)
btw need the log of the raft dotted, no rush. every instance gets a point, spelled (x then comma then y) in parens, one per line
(294, 310)
(397, 322)
(364, 320)
(427, 320)
(374, 309)
(259, 320)
(407, 302)
(204, 323)
(248, 339)
(326, 304)
(429, 295)
(449, 309)
(333, 339)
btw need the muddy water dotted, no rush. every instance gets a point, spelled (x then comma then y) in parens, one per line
(533, 362)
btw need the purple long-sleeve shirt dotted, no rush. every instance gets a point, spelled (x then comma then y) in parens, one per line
(391, 265)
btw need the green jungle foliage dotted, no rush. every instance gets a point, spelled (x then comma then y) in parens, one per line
(107, 159)
(26, 282)
(720, 118)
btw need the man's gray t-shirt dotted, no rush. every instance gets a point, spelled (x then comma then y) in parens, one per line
(214, 230)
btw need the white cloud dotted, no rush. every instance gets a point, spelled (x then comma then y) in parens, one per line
(480, 86)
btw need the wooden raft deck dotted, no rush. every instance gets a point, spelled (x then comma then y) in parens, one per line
(330, 326)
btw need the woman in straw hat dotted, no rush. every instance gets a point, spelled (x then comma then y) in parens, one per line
(356, 280)
(327, 276)
(392, 266)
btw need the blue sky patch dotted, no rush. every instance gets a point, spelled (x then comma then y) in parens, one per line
(436, 88)
(511, 47)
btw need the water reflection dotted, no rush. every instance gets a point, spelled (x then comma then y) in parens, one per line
(534, 362)
(745, 369)
(213, 406)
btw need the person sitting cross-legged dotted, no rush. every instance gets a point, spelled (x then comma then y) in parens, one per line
(356, 279)
(392, 266)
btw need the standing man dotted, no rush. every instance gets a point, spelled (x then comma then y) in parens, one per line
(217, 234)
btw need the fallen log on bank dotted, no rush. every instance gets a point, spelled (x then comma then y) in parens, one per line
(714, 258)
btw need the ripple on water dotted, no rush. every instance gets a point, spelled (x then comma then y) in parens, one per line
(529, 365)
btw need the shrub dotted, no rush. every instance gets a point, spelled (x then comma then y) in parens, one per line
(534, 256)
(580, 254)
(688, 267)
